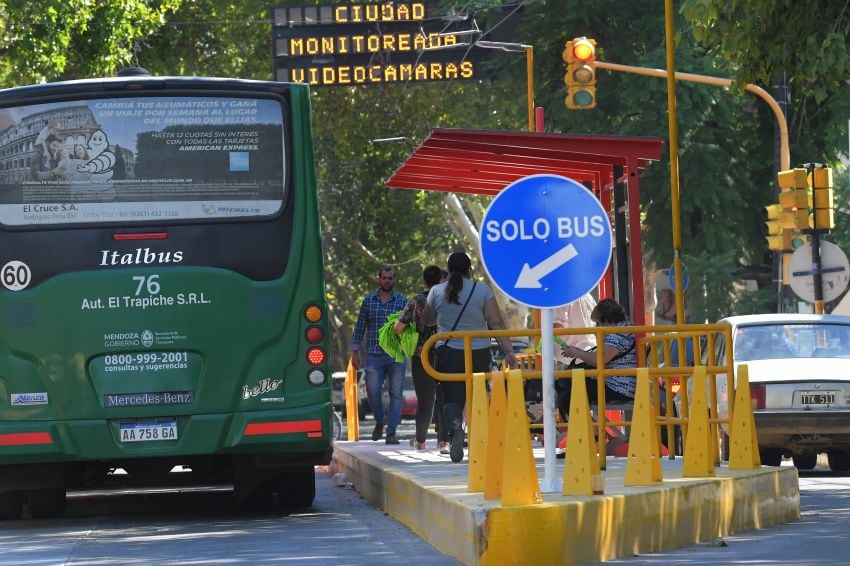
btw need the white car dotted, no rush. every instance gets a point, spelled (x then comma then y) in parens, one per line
(799, 371)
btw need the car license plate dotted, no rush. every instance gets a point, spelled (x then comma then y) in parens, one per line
(142, 432)
(817, 397)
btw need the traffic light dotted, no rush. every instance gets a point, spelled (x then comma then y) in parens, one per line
(580, 78)
(799, 240)
(775, 232)
(794, 199)
(823, 198)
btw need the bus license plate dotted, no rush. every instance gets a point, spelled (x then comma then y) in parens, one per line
(817, 398)
(141, 432)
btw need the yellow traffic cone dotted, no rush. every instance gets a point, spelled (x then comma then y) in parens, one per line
(519, 480)
(743, 444)
(643, 466)
(698, 460)
(478, 434)
(495, 437)
(580, 462)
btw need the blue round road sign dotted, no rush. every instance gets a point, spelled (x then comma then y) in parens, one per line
(545, 241)
(671, 277)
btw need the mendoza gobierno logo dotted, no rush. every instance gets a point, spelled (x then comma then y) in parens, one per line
(123, 339)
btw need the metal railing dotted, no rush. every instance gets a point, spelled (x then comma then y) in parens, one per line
(654, 348)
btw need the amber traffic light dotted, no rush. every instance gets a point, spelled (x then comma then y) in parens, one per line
(580, 56)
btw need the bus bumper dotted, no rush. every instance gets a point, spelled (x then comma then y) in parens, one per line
(300, 435)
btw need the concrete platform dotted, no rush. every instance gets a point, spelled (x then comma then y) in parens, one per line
(427, 492)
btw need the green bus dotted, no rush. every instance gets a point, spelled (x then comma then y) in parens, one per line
(162, 300)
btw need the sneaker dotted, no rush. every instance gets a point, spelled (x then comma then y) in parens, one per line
(457, 445)
(444, 447)
(391, 439)
(419, 446)
(378, 431)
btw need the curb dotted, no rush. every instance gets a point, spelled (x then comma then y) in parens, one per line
(430, 497)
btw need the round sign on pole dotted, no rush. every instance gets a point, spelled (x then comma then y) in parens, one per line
(671, 277)
(835, 271)
(545, 241)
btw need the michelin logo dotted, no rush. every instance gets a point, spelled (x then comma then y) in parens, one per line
(19, 399)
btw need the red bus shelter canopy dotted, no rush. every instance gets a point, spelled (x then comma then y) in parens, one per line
(485, 162)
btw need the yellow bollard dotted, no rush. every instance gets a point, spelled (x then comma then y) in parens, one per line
(519, 480)
(350, 391)
(643, 466)
(495, 437)
(743, 444)
(699, 462)
(478, 434)
(580, 461)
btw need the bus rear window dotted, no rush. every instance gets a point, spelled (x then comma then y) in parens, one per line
(141, 159)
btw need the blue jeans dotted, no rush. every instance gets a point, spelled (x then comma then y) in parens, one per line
(378, 367)
(454, 392)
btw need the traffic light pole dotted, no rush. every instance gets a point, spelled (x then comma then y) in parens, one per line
(784, 154)
(817, 271)
(673, 129)
(782, 123)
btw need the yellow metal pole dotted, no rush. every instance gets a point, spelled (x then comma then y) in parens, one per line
(674, 161)
(529, 71)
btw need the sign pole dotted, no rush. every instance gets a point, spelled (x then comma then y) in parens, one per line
(817, 274)
(550, 482)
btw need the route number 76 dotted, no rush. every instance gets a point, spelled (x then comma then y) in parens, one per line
(151, 283)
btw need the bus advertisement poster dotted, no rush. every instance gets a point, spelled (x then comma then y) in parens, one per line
(141, 159)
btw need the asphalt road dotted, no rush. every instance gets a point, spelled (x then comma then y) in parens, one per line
(818, 538)
(204, 526)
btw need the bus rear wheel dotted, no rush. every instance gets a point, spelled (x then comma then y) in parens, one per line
(10, 505)
(297, 488)
(47, 503)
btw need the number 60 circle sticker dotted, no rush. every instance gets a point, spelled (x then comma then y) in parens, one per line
(15, 275)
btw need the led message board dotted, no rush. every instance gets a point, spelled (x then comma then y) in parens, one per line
(367, 44)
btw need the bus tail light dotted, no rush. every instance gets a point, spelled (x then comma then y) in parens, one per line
(310, 427)
(313, 313)
(316, 377)
(25, 438)
(316, 356)
(758, 392)
(314, 335)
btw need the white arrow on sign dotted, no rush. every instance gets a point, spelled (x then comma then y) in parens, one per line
(529, 277)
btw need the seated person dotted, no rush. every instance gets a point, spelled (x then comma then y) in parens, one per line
(618, 352)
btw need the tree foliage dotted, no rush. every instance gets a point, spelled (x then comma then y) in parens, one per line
(213, 38)
(805, 45)
(70, 39)
(765, 40)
